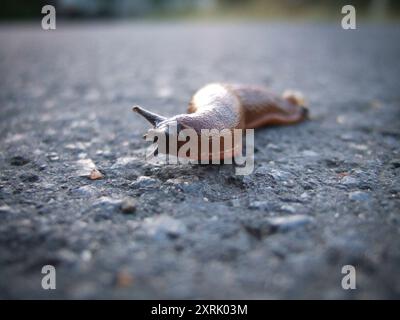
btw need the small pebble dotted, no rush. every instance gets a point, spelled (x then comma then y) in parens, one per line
(86, 255)
(288, 223)
(53, 156)
(360, 147)
(128, 205)
(269, 226)
(163, 227)
(235, 203)
(288, 208)
(5, 209)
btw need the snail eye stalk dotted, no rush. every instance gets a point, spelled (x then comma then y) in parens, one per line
(151, 117)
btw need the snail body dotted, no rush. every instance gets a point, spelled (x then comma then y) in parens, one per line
(228, 107)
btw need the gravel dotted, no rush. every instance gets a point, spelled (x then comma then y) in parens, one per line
(324, 193)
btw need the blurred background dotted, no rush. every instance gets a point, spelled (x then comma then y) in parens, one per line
(199, 9)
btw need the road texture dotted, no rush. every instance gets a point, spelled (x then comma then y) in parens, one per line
(324, 193)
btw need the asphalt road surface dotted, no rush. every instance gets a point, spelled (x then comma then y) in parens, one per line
(324, 193)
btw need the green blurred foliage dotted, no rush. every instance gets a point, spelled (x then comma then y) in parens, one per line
(22, 9)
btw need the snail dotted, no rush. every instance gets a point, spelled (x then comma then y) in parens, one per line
(226, 107)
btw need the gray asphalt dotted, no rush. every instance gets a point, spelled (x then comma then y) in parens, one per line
(324, 193)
